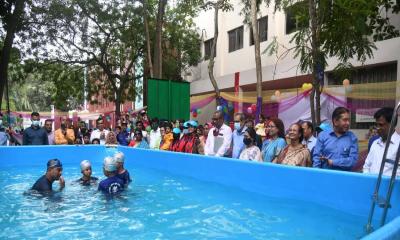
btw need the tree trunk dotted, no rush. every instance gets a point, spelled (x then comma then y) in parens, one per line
(316, 60)
(212, 55)
(254, 25)
(8, 41)
(147, 36)
(117, 107)
(158, 41)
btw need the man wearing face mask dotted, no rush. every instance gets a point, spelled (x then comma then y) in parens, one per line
(238, 134)
(155, 135)
(64, 135)
(35, 135)
(219, 137)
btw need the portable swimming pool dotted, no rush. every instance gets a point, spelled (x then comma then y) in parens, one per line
(180, 196)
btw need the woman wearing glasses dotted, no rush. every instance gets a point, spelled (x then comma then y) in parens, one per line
(273, 145)
(295, 154)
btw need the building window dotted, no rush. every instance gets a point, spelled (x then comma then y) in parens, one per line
(262, 30)
(370, 74)
(296, 17)
(207, 49)
(235, 39)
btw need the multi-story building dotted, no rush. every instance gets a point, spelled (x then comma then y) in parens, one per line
(235, 54)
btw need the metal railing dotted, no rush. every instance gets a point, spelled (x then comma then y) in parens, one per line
(384, 202)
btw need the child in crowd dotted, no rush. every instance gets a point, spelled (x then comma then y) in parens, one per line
(122, 173)
(86, 170)
(112, 185)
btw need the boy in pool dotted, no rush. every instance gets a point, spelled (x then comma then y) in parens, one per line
(112, 185)
(53, 173)
(122, 173)
(86, 170)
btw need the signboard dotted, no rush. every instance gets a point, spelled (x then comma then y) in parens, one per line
(365, 115)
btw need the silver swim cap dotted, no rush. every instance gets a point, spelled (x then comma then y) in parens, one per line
(119, 157)
(85, 164)
(109, 164)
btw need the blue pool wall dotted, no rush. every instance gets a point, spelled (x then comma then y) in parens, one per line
(344, 191)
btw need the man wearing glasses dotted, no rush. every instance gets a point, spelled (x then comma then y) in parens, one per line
(372, 164)
(219, 137)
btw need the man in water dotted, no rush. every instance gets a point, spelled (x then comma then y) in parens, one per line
(122, 173)
(53, 173)
(112, 185)
(86, 170)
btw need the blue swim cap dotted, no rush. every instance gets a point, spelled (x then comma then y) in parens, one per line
(52, 163)
(192, 123)
(176, 131)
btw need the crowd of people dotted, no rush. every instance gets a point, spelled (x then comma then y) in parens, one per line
(329, 146)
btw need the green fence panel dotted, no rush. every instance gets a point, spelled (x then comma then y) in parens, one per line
(167, 99)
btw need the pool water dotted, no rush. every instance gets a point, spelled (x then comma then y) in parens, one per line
(158, 205)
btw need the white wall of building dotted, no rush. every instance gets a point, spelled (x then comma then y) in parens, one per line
(242, 60)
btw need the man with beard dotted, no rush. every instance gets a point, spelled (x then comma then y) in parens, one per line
(48, 126)
(53, 173)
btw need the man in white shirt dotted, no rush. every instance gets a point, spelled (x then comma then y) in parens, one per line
(372, 164)
(155, 135)
(308, 132)
(219, 137)
(100, 133)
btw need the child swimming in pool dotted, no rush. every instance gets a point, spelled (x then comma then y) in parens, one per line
(86, 170)
(112, 185)
(122, 173)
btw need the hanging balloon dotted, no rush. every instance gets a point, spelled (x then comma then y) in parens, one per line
(277, 93)
(225, 109)
(194, 110)
(219, 108)
(199, 111)
(194, 114)
(249, 110)
(306, 86)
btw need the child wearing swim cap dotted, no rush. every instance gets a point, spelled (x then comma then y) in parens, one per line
(86, 170)
(122, 173)
(112, 185)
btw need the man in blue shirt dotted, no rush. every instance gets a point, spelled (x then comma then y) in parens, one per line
(53, 173)
(123, 136)
(238, 134)
(337, 148)
(112, 185)
(35, 135)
